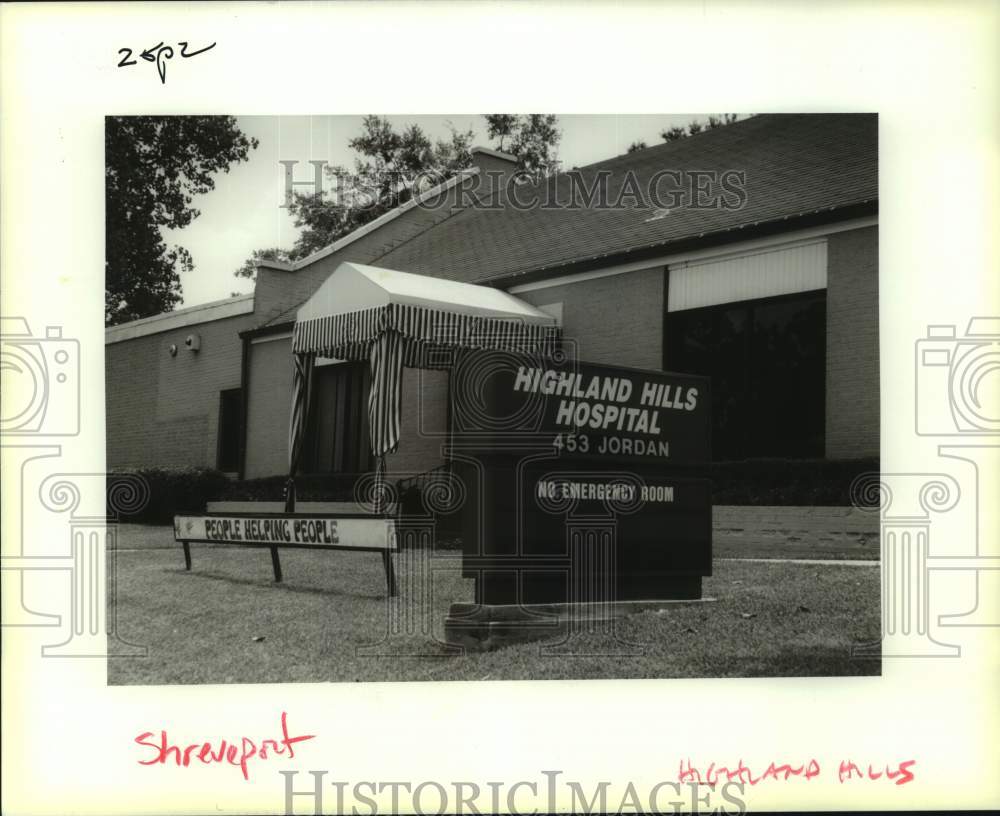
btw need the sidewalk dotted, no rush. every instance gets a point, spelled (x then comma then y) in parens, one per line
(795, 533)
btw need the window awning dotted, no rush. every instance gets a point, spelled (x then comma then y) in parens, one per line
(395, 319)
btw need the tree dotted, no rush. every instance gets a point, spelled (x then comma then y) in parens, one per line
(717, 122)
(154, 166)
(455, 153)
(500, 126)
(393, 166)
(534, 139)
(249, 268)
(389, 165)
(674, 133)
(535, 143)
(640, 145)
(390, 169)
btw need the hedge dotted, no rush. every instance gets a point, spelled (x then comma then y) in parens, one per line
(787, 482)
(333, 487)
(154, 495)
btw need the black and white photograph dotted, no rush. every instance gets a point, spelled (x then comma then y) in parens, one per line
(508, 396)
(365, 451)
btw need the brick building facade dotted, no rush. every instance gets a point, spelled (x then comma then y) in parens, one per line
(778, 294)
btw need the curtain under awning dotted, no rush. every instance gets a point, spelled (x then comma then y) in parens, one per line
(394, 320)
(301, 394)
(395, 336)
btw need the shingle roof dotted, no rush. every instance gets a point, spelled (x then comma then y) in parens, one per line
(795, 164)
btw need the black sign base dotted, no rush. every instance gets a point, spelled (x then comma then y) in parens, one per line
(544, 530)
(578, 491)
(486, 627)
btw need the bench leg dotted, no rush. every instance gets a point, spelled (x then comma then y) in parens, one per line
(390, 574)
(276, 563)
(187, 555)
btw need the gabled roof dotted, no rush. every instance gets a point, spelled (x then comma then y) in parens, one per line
(795, 165)
(354, 287)
(799, 169)
(429, 194)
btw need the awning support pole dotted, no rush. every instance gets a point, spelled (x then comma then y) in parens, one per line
(379, 506)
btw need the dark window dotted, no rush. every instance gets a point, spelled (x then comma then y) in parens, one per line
(337, 438)
(767, 361)
(230, 429)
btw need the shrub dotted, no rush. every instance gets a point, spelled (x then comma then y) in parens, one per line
(331, 487)
(786, 482)
(160, 493)
(155, 495)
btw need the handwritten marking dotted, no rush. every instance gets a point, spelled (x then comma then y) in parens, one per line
(810, 769)
(228, 752)
(159, 54)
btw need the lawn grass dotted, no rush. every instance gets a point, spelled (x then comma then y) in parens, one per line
(226, 621)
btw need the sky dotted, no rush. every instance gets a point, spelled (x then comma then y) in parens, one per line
(244, 212)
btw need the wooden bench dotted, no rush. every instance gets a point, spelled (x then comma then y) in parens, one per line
(315, 526)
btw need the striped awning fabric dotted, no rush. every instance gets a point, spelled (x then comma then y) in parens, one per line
(391, 337)
(349, 336)
(301, 389)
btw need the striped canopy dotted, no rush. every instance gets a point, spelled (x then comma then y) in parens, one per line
(403, 330)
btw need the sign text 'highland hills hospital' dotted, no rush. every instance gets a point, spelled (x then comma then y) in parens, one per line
(598, 410)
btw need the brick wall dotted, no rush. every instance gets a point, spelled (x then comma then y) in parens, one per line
(163, 411)
(423, 423)
(617, 320)
(852, 366)
(269, 386)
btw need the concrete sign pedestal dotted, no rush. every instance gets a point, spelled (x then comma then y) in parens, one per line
(485, 627)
